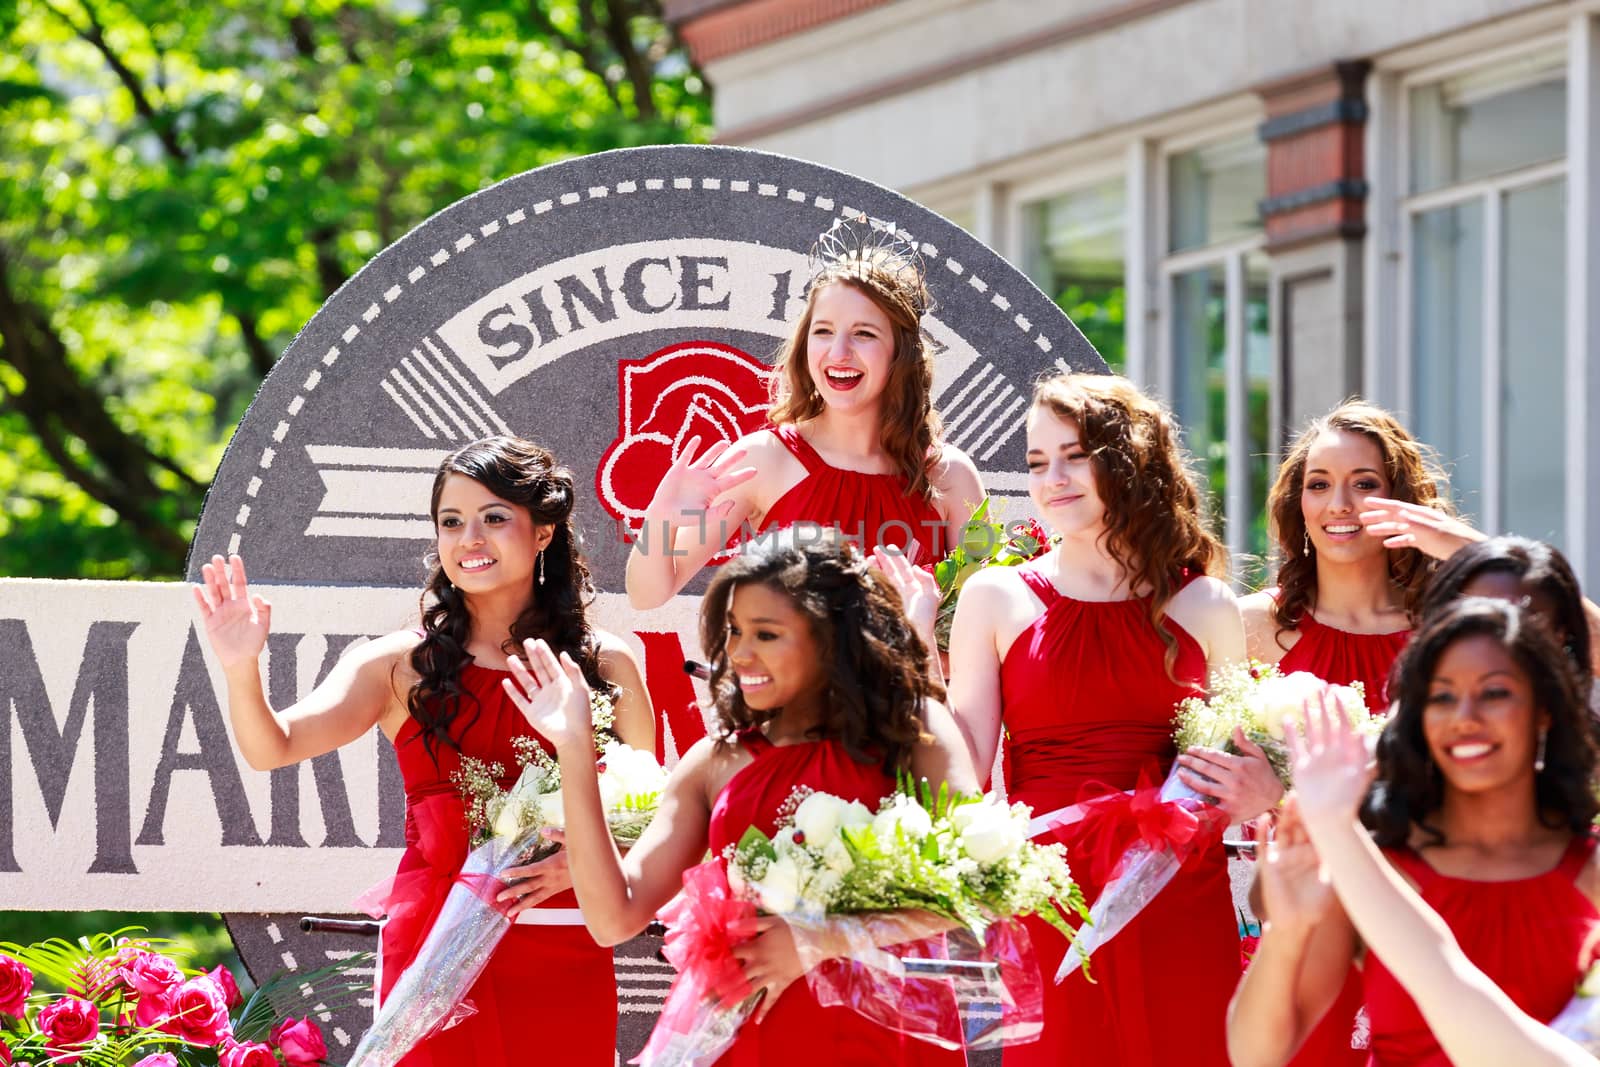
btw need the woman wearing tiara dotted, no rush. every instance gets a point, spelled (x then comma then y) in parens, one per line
(505, 568)
(854, 443)
(1081, 656)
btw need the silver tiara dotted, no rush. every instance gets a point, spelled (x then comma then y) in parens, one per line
(877, 254)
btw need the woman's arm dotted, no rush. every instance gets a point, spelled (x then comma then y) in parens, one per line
(960, 491)
(1472, 1019)
(700, 503)
(355, 696)
(942, 757)
(635, 715)
(618, 895)
(1306, 949)
(975, 665)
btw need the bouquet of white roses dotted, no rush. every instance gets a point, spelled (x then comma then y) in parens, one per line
(1174, 821)
(902, 915)
(1260, 700)
(506, 828)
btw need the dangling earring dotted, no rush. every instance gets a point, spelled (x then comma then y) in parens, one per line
(541, 566)
(1538, 757)
(1307, 536)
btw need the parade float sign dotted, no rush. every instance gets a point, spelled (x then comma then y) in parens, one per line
(610, 308)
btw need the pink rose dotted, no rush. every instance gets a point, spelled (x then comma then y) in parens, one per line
(230, 988)
(158, 1059)
(153, 1008)
(199, 1012)
(69, 1023)
(300, 1041)
(248, 1054)
(151, 972)
(16, 982)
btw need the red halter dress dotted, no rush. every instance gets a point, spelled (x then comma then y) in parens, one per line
(868, 509)
(1339, 657)
(1531, 936)
(1088, 704)
(798, 1032)
(547, 965)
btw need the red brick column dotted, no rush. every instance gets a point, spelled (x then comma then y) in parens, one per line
(1316, 178)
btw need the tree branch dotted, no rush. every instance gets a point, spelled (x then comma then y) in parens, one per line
(618, 26)
(593, 61)
(261, 357)
(159, 121)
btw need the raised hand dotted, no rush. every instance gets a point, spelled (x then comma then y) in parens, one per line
(1294, 892)
(552, 695)
(1330, 762)
(1428, 530)
(685, 494)
(236, 621)
(919, 591)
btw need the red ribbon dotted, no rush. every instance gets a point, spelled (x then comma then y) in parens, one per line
(704, 923)
(1112, 822)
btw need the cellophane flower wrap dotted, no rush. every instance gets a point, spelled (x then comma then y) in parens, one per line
(125, 998)
(906, 915)
(507, 828)
(1579, 1021)
(1173, 822)
(984, 543)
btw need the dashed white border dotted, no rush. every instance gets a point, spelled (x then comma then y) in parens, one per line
(473, 235)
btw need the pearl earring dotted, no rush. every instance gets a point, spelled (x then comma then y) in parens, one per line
(1538, 758)
(1307, 536)
(541, 566)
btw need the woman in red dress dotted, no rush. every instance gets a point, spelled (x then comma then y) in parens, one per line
(1344, 602)
(817, 680)
(506, 569)
(1081, 656)
(1483, 803)
(855, 443)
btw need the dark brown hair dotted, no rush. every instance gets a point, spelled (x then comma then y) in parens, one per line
(876, 666)
(520, 473)
(1413, 476)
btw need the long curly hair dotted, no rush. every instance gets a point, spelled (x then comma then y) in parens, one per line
(1410, 787)
(520, 473)
(1538, 568)
(876, 665)
(1143, 476)
(1414, 476)
(911, 432)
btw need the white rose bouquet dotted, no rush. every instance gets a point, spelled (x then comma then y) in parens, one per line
(904, 915)
(506, 828)
(1174, 822)
(1579, 1021)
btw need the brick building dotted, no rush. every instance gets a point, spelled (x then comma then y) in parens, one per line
(1255, 207)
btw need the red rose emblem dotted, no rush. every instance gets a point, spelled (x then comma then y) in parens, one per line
(700, 388)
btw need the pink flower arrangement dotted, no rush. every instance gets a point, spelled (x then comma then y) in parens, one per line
(132, 1004)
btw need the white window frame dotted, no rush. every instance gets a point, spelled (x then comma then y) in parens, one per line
(1490, 194)
(1231, 256)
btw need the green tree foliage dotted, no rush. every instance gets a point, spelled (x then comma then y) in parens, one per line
(184, 184)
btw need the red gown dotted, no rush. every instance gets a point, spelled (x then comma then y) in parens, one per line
(798, 1032)
(1088, 706)
(544, 964)
(868, 509)
(1339, 657)
(1531, 936)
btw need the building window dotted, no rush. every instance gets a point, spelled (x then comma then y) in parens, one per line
(1217, 370)
(1486, 233)
(1074, 248)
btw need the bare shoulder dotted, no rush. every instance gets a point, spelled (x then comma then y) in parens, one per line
(707, 767)
(392, 650)
(1208, 609)
(610, 646)
(1589, 878)
(955, 480)
(993, 588)
(1260, 626)
(1206, 594)
(761, 449)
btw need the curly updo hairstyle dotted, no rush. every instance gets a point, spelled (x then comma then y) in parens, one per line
(526, 475)
(876, 667)
(1410, 787)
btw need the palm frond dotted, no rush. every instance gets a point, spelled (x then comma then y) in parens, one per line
(325, 989)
